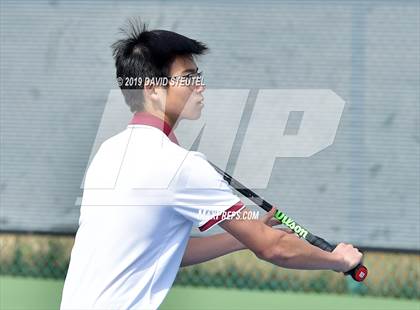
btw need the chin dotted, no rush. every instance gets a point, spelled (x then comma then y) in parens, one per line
(193, 115)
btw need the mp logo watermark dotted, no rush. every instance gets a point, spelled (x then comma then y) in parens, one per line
(257, 126)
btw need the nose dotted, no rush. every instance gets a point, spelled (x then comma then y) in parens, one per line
(200, 88)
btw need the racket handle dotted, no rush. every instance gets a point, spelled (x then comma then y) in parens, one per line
(321, 243)
(358, 273)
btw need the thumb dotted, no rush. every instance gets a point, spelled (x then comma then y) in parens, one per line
(268, 218)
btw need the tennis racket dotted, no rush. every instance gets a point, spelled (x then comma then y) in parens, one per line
(358, 273)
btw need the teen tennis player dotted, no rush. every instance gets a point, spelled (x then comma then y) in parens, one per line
(144, 192)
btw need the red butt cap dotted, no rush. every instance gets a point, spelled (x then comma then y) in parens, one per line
(360, 274)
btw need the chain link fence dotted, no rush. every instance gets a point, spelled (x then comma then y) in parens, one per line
(390, 274)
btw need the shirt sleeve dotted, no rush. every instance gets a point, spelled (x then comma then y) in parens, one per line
(202, 195)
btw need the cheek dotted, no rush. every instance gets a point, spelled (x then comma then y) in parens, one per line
(177, 98)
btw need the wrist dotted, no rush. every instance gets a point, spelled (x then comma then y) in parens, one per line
(338, 262)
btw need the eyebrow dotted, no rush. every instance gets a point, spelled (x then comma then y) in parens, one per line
(190, 70)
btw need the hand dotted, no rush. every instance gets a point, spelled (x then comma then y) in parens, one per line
(269, 220)
(348, 257)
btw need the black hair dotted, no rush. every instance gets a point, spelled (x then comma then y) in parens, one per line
(143, 53)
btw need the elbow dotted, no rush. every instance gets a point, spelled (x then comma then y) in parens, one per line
(274, 254)
(267, 254)
(278, 253)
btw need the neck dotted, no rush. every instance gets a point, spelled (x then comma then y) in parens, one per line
(160, 114)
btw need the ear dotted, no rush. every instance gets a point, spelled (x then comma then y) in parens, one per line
(151, 94)
(155, 96)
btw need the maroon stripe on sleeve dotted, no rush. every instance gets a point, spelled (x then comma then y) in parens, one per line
(217, 219)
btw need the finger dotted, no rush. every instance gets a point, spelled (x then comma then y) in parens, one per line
(287, 230)
(273, 222)
(270, 213)
(268, 216)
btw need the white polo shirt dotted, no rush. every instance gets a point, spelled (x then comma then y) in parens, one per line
(142, 195)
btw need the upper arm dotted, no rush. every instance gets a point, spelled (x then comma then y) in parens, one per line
(201, 193)
(254, 234)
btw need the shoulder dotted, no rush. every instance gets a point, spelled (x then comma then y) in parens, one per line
(196, 171)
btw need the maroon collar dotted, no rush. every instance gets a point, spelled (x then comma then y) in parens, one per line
(145, 118)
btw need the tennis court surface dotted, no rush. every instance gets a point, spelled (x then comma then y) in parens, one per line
(28, 293)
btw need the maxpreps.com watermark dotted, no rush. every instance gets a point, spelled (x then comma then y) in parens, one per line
(228, 215)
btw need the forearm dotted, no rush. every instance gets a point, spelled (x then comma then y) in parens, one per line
(200, 250)
(292, 252)
(287, 250)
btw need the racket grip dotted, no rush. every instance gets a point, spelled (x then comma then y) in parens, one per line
(321, 243)
(358, 273)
